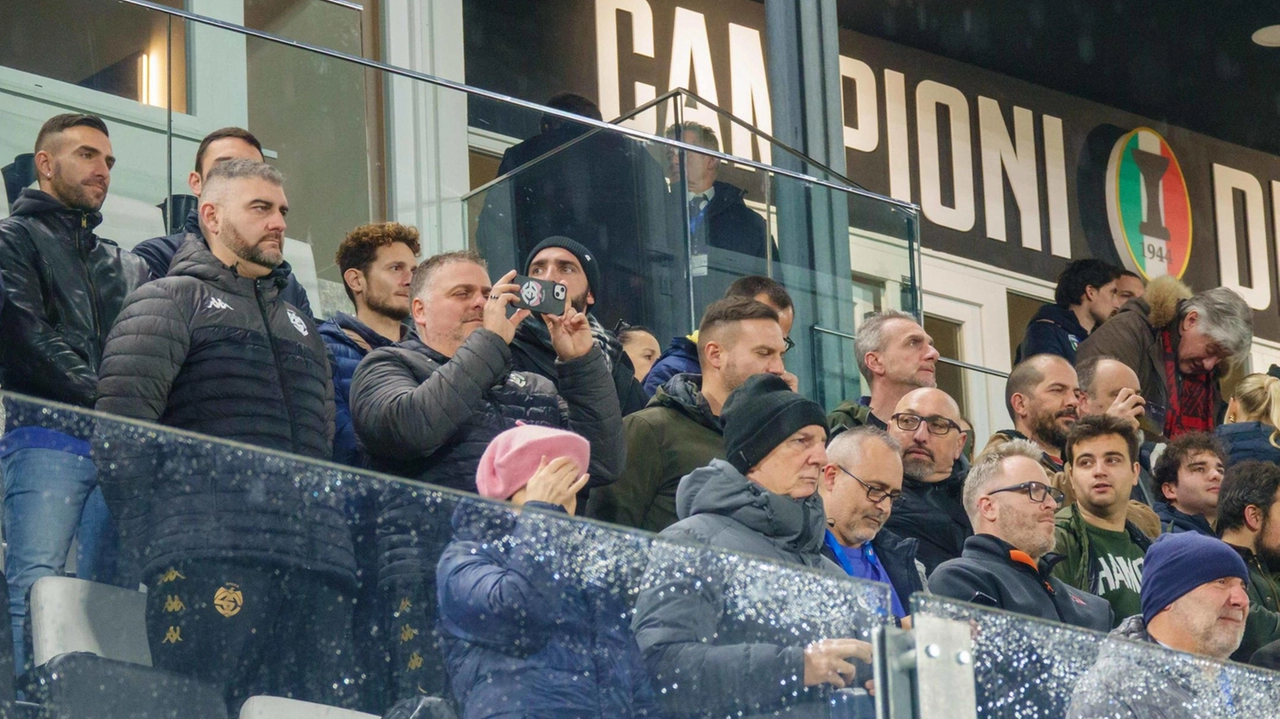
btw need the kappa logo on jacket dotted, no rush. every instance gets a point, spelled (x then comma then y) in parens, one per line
(298, 324)
(216, 303)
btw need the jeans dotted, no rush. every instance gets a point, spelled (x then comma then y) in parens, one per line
(49, 497)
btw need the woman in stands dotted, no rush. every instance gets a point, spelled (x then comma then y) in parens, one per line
(1252, 418)
(525, 633)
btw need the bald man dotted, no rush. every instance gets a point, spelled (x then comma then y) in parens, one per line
(1042, 397)
(927, 423)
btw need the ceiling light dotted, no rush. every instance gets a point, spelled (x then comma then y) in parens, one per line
(1268, 36)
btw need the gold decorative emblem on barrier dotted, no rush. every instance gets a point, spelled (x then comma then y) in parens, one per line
(228, 600)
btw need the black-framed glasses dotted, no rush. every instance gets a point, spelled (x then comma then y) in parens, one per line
(937, 424)
(875, 494)
(791, 344)
(1036, 491)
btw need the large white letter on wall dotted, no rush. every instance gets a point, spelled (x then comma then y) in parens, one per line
(690, 50)
(929, 96)
(895, 119)
(1003, 155)
(607, 79)
(1226, 180)
(865, 137)
(750, 87)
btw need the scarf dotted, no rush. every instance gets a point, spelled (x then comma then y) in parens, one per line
(1190, 397)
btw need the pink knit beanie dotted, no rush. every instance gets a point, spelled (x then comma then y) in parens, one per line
(512, 457)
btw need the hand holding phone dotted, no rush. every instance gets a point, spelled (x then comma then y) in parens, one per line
(541, 296)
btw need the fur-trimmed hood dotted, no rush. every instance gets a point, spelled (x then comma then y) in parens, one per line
(1162, 298)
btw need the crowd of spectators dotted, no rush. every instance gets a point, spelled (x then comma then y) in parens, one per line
(1119, 434)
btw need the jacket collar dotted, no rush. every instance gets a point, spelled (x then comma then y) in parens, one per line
(195, 259)
(796, 525)
(991, 547)
(350, 323)
(1063, 317)
(683, 393)
(32, 202)
(725, 195)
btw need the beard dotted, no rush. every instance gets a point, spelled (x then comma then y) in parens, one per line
(917, 467)
(384, 305)
(579, 303)
(1045, 427)
(1269, 556)
(252, 253)
(1024, 532)
(73, 195)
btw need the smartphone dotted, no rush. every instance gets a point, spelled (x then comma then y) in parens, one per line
(541, 296)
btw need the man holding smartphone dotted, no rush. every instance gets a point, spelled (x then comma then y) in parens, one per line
(569, 263)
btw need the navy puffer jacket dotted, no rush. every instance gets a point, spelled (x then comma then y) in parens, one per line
(1248, 440)
(209, 351)
(345, 353)
(526, 637)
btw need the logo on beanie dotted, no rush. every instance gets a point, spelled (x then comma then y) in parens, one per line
(532, 293)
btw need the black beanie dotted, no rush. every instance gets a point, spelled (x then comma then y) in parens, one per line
(586, 258)
(760, 414)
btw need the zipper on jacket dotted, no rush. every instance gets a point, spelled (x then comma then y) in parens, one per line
(88, 271)
(275, 357)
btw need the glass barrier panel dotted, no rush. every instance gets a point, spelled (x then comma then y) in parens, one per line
(1026, 667)
(371, 590)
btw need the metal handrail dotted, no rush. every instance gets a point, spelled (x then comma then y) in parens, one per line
(517, 102)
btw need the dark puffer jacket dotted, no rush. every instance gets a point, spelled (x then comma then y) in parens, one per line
(1248, 440)
(532, 351)
(429, 417)
(711, 647)
(63, 288)
(1054, 330)
(159, 252)
(209, 351)
(680, 357)
(349, 340)
(525, 638)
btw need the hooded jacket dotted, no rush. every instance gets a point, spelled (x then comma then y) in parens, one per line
(532, 351)
(933, 512)
(349, 340)
(222, 355)
(993, 573)
(1134, 678)
(852, 413)
(1132, 336)
(708, 649)
(1053, 330)
(63, 288)
(1172, 520)
(680, 357)
(526, 638)
(1248, 440)
(158, 253)
(674, 435)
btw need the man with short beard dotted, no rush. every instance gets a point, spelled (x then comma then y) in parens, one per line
(63, 287)
(926, 423)
(1042, 396)
(561, 259)
(859, 486)
(1193, 601)
(1002, 565)
(212, 348)
(377, 263)
(1249, 522)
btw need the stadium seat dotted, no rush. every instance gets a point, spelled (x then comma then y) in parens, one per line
(263, 707)
(74, 615)
(84, 686)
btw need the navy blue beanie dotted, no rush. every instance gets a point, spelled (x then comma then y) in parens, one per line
(586, 258)
(1178, 563)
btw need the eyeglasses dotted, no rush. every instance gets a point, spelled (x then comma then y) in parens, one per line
(936, 423)
(790, 344)
(1036, 491)
(875, 494)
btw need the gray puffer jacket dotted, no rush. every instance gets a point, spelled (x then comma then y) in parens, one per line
(720, 637)
(1135, 678)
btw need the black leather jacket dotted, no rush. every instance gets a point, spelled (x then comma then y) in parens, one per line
(64, 287)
